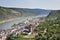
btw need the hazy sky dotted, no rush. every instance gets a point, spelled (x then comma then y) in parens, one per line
(44, 4)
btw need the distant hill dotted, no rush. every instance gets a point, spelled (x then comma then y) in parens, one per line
(54, 14)
(7, 13)
(32, 11)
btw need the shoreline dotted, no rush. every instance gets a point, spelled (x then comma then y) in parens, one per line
(11, 19)
(8, 20)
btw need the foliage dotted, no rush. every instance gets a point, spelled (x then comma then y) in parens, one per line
(10, 37)
(52, 32)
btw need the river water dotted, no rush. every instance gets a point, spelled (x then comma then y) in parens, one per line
(8, 25)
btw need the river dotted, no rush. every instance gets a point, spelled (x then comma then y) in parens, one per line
(8, 25)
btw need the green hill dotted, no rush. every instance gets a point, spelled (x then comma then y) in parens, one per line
(49, 29)
(8, 13)
(55, 14)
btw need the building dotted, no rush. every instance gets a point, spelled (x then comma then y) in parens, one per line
(27, 29)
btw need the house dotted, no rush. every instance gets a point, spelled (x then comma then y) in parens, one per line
(15, 34)
(26, 22)
(27, 29)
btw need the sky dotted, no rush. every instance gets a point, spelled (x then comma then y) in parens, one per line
(41, 4)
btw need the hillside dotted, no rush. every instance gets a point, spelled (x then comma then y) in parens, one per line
(55, 14)
(49, 29)
(32, 11)
(8, 13)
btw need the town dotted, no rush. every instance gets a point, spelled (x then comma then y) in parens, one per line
(26, 28)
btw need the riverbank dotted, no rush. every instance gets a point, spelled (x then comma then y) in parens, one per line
(12, 19)
(8, 20)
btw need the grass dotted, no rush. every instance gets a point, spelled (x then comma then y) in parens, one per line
(24, 37)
